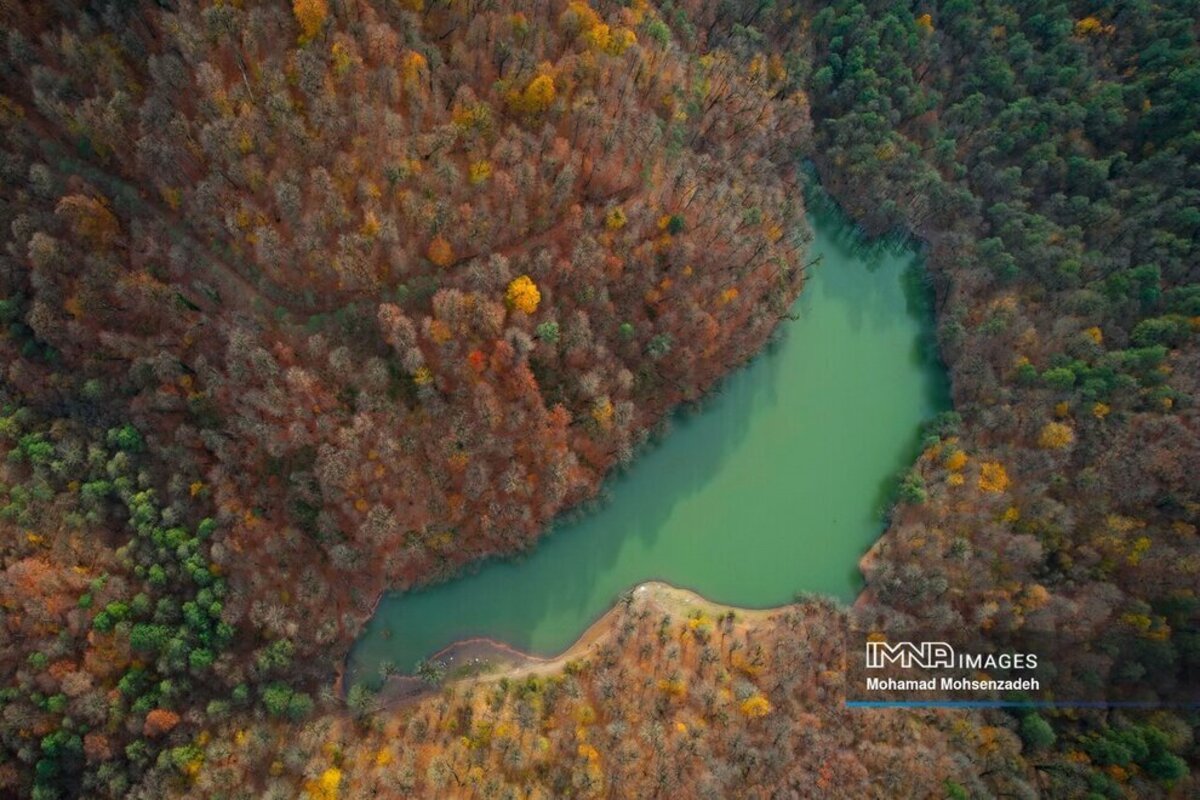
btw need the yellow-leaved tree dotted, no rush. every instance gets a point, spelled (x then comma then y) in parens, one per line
(326, 786)
(537, 96)
(1055, 436)
(756, 706)
(310, 14)
(993, 477)
(615, 219)
(480, 171)
(523, 294)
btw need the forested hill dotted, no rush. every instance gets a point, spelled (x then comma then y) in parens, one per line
(306, 300)
(1049, 155)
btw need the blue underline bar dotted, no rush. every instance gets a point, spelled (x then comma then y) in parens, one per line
(1064, 704)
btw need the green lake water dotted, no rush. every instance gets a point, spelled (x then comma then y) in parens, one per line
(775, 487)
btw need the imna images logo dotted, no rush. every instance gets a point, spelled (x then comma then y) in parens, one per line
(940, 655)
(927, 655)
(931, 656)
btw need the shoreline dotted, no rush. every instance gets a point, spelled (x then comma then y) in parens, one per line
(656, 583)
(496, 659)
(481, 659)
(502, 659)
(507, 653)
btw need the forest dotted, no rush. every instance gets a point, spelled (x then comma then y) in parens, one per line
(305, 301)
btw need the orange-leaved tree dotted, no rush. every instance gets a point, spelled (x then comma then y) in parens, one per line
(440, 252)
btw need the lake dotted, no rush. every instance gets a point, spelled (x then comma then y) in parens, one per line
(777, 486)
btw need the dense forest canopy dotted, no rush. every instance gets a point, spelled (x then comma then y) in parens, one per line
(304, 301)
(1048, 158)
(1047, 153)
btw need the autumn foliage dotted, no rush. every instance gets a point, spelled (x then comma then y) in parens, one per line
(302, 302)
(739, 694)
(310, 15)
(1055, 436)
(308, 300)
(995, 131)
(523, 295)
(440, 252)
(535, 97)
(160, 721)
